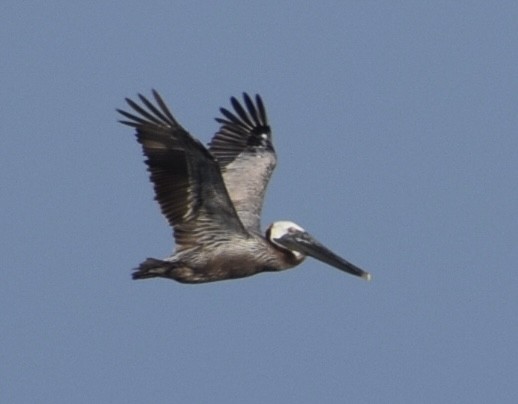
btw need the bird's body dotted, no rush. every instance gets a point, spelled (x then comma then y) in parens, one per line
(213, 197)
(237, 258)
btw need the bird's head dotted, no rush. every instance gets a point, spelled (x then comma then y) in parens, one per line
(290, 236)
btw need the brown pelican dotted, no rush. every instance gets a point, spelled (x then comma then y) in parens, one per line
(213, 197)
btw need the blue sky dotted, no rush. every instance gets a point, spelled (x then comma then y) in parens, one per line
(396, 130)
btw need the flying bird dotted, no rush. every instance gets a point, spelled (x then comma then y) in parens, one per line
(212, 198)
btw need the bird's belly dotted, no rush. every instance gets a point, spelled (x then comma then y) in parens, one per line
(220, 265)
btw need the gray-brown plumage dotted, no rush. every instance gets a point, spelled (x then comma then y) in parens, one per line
(213, 198)
(244, 145)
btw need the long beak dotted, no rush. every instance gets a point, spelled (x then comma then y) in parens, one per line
(304, 243)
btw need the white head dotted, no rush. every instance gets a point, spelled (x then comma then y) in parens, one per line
(282, 228)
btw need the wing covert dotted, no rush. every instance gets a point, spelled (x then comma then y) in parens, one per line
(187, 180)
(244, 150)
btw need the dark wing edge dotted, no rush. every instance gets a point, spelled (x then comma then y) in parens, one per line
(187, 180)
(241, 131)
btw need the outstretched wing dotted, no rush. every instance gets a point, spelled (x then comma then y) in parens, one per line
(187, 179)
(243, 148)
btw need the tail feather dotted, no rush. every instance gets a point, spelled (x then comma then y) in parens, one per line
(153, 268)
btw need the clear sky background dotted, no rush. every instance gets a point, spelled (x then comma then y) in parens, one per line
(396, 128)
